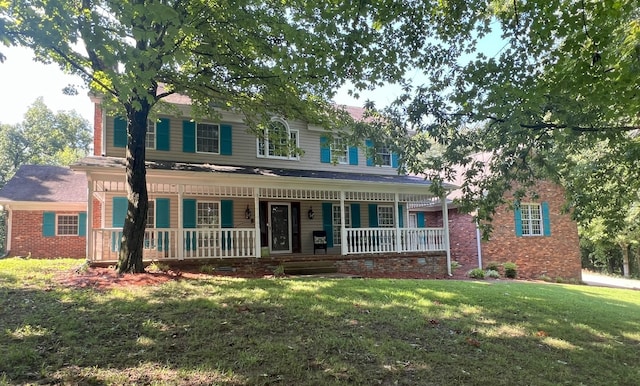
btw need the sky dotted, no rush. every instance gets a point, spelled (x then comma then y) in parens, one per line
(22, 81)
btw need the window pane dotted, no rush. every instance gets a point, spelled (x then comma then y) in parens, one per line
(531, 219)
(337, 235)
(207, 140)
(208, 214)
(385, 216)
(150, 140)
(67, 225)
(385, 156)
(151, 214)
(339, 151)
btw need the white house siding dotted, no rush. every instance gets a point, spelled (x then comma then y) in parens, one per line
(245, 149)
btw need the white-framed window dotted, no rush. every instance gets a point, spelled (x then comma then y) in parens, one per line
(207, 138)
(150, 236)
(151, 214)
(384, 154)
(67, 225)
(208, 216)
(335, 219)
(339, 151)
(150, 139)
(531, 219)
(278, 141)
(385, 216)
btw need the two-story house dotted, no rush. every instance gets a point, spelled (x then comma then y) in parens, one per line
(219, 193)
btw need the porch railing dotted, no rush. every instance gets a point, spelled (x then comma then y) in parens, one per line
(200, 243)
(380, 240)
(165, 243)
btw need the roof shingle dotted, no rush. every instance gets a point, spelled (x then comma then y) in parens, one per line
(44, 183)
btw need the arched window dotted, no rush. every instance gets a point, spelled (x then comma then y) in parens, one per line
(278, 141)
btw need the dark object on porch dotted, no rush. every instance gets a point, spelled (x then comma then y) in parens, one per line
(309, 267)
(319, 241)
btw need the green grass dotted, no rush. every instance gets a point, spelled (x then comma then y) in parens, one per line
(230, 331)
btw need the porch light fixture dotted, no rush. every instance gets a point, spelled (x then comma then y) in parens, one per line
(247, 213)
(310, 213)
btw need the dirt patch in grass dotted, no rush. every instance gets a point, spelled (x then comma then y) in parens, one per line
(105, 278)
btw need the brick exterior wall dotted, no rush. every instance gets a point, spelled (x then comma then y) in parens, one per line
(26, 237)
(556, 256)
(97, 129)
(463, 240)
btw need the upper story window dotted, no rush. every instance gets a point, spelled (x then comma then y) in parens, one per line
(279, 141)
(207, 138)
(150, 139)
(531, 219)
(339, 151)
(385, 216)
(67, 225)
(384, 154)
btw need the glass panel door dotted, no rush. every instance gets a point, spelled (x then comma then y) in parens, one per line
(280, 229)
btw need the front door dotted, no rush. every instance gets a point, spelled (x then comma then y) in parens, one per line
(280, 227)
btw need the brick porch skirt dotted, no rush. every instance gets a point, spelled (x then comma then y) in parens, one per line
(427, 265)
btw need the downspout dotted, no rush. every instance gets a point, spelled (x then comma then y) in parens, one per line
(8, 240)
(479, 246)
(89, 239)
(445, 223)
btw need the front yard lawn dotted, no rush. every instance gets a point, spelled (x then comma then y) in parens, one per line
(310, 331)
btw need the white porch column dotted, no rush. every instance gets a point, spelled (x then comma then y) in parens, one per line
(180, 246)
(256, 223)
(89, 225)
(343, 229)
(397, 215)
(445, 221)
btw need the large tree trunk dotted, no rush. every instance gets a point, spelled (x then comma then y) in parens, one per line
(131, 247)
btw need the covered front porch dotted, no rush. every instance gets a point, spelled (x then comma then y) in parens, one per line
(202, 212)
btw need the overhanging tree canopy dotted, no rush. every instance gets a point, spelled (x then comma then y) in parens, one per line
(562, 77)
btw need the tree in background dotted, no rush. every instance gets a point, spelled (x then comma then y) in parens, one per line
(42, 138)
(258, 58)
(562, 79)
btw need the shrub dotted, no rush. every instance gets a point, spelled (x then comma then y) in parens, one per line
(492, 273)
(157, 266)
(455, 265)
(207, 269)
(492, 266)
(476, 273)
(510, 270)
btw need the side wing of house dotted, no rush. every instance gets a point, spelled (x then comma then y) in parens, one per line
(46, 212)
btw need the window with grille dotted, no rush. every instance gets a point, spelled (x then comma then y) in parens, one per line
(385, 216)
(531, 219)
(207, 138)
(384, 155)
(278, 141)
(208, 216)
(337, 235)
(67, 225)
(150, 139)
(339, 151)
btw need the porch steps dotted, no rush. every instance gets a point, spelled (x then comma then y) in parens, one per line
(309, 267)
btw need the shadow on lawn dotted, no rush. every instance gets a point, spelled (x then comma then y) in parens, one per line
(230, 331)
